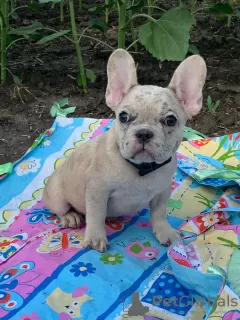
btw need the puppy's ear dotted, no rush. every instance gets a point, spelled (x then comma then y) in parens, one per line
(122, 76)
(188, 81)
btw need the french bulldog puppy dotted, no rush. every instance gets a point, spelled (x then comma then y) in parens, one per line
(131, 166)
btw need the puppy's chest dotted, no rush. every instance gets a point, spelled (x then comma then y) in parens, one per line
(129, 199)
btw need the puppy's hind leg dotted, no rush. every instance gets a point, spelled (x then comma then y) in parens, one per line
(57, 204)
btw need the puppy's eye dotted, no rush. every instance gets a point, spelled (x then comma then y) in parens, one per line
(170, 121)
(123, 117)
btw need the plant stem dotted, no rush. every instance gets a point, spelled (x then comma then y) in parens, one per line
(99, 41)
(15, 9)
(12, 4)
(143, 15)
(80, 4)
(229, 20)
(133, 33)
(121, 24)
(61, 11)
(4, 6)
(13, 42)
(6, 13)
(107, 12)
(132, 44)
(150, 8)
(77, 46)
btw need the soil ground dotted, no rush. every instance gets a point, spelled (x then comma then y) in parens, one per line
(48, 74)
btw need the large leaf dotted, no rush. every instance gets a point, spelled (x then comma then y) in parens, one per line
(22, 31)
(168, 37)
(223, 8)
(53, 36)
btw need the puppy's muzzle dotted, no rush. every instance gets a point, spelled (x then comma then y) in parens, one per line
(144, 136)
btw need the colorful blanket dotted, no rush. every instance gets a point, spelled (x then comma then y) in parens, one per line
(46, 274)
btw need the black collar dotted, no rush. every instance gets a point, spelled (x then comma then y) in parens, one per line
(145, 168)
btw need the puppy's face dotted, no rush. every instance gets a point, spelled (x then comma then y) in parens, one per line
(149, 124)
(150, 119)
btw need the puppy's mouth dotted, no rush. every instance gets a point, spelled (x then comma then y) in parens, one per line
(143, 153)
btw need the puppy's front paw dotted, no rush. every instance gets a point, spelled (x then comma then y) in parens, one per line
(166, 234)
(71, 220)
(97, 242)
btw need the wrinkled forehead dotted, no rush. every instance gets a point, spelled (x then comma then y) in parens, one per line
(151, 99)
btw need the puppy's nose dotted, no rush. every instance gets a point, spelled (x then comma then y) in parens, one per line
(144, 135)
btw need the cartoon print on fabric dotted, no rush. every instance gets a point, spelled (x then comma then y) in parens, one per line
(232, 315)
(235, 197)
(8, 245)
(211, 161)
(10, 300)
(235, 228)
(82, 269)
(43, 215)
(114, 225)
(200, 143)
(57, 243)
(27, 166)
(163, 289)
(68, 305)
(113, 259)
(142, 250)
(31, 316)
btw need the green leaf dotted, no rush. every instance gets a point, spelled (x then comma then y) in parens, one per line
(17, 80)
(209, 103)
(238, 12)
(136, 248)
(6, 168)
(217, 105)
(14, 15)
(57, 108)
(120, 2)
(35, 6)
(168, 37)
(223, 8)
(98, 25)
(193, 49)
(26, 30)
(147, 244)
(102, 8)
(91, 75)
(53, 36)
(63, 102)
(137, 5)
(191, 134)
